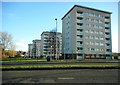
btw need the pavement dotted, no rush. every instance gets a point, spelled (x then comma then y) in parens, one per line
(61, 76)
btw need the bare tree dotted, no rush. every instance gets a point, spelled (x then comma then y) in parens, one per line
(7, 41)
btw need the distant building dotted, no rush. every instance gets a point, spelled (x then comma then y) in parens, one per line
(86, 33)
(30, 50)
(49, 46)
(36, 48)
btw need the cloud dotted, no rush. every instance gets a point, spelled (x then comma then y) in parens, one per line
(21, 45)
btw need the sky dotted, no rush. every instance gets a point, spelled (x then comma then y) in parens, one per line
(27, 20)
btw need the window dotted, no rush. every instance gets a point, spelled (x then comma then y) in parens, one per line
(87, 31)
(101, 27)
(87, 43)
(92, 31)
(97, 32)
(91, 14)
(101, 32)
(101, 49)
(92, 20)
(101, 16)
(97, 15)
(97, 43)
(92, 25)
(96, 38)
(92, 37)
(100, 21)
(92, 49)
(101, 38)
(91, 43)
(97, 49)
(96, 26)
(101, 44)
(87, 19)
(96, 21)
(87, 25)
(87, 37)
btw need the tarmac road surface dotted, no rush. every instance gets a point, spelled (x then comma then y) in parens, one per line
(54, 63)
(61, 76)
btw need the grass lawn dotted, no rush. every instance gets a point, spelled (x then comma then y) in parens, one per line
(63, 66)
(23, 60)
(44, 60)
(59, 66)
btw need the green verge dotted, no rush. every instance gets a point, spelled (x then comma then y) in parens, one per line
(52, 60)
(23, 60)
(47, 67)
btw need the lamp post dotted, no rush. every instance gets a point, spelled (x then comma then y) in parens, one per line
(56, 38)
(72, 55)
(51, 52)
(64, 53)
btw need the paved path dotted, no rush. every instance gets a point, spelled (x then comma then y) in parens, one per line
(62, 76)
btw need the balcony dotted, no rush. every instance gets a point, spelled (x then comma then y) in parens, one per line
(79, 33)
(108, 42)
(79, 39)
(108, 47)
(79, 21)
(80, 15)
(45, 39)
(107, 52)
(107, 30)
(107, 20)
(107, 36)
(80, 51)
(44, 44)
(107, 25)
(79, 27)
(79, 45)
(45, 36)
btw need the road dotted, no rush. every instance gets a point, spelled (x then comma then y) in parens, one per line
(61, 76)
(54, 63)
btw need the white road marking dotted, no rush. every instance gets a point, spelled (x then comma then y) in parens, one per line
(67, 78)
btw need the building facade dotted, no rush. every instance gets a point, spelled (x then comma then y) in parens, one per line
(49, 46)
(36, 48)
(30, 50)
(86, 33)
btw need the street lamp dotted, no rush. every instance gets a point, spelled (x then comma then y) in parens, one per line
(64, 53)
(72, 55)
(51, 51)
(56, 38)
